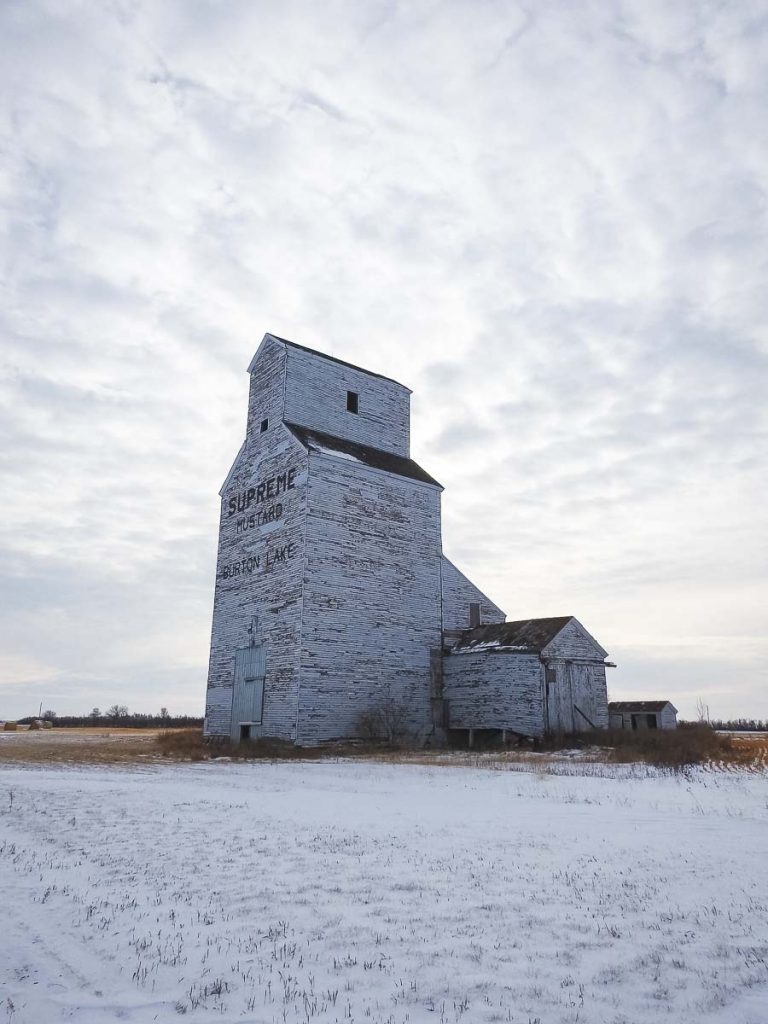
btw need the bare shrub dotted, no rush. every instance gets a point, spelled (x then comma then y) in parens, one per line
(696, 743)
(388, 722)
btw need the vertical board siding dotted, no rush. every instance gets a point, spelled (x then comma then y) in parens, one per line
(457, 594)
(578, 662)
(371, 598)
(589, 694)
(316, 397)
(500, 690)
(248, 689)
(559, 698)
(577, 686)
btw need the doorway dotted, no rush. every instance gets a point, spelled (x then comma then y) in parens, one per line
(247, 691)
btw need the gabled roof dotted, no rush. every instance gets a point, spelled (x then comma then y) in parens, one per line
(640, 705)
(531, 635)
(331, 359)
(375, 458)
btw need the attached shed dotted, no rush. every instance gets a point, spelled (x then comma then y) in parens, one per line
(642, 714)
(528, 677)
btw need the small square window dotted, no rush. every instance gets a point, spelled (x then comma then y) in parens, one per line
(351, 401)
(264, 425)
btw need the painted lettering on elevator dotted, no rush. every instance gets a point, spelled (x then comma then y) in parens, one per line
(274, 556)
(264, 490)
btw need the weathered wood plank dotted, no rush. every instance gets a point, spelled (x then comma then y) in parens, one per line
(495, 691)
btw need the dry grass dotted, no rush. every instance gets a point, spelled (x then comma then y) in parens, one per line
(672, 750)
(752, 748)
(188, 744)
(676, 749)
(79, 746)
(182, 744)
(108, 746)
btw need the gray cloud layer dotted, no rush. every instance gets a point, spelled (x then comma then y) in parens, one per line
(549, 220)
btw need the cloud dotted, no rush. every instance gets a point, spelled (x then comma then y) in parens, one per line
(551, 224)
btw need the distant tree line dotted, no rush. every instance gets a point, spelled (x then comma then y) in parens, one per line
(740, 725)
(118, 714)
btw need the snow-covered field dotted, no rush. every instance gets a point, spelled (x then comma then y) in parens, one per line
(364, 892)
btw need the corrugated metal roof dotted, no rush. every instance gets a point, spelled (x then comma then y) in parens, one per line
(524, 635)
(342, 448)
(639, 705)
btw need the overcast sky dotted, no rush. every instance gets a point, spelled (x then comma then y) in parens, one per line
(547, 218)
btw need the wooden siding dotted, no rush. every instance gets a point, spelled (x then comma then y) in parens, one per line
(371, 598)
(573, 641)
(668, 717)
(340, 564)
(499, 690)
(266, 397)
(577, 698)
(248, 689)
(316, 397)
(260, 560)
(458, 593)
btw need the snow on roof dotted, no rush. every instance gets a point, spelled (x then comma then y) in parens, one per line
(524, 635)
(336, 452)
(490, 645)
(375, 458)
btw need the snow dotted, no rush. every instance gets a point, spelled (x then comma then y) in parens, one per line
(369, 892)
(333, 451)
(487, 645)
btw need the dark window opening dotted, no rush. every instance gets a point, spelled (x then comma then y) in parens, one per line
(264, 425)
(474, 613)
(245, 732)
(351, 401)
(644, 722)
(551, 674)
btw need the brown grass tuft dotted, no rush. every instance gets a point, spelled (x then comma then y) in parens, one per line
(183, 744)
(667, 748)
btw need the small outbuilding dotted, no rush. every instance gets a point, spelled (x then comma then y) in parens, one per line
(528, 678)
(642, 714)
